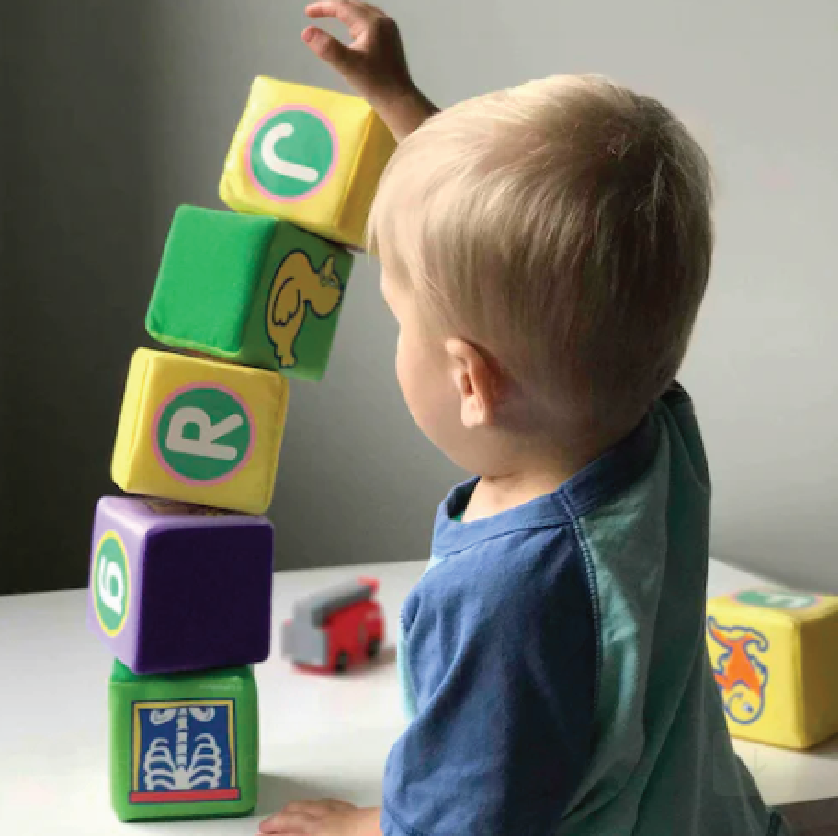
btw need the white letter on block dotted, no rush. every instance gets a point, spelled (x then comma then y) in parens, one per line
(205, 445)
(782, 600)
(283, 167)
(111, 571)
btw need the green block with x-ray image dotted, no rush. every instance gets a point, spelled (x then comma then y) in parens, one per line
(183, 745)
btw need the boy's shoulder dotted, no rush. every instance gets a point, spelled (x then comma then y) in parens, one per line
(519, 559)
(494, 569)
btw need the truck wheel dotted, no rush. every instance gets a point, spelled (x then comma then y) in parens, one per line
(374, 645)
(341, 662)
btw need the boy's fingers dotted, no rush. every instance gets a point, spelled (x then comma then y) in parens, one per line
(328, 48)
(307, 808)
(269, 825)
(346, 12)
(286, 823)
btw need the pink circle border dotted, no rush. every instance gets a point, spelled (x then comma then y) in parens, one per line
(171, 398)
(329, 172)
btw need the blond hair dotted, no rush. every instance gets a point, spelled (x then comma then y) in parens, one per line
(563, 226)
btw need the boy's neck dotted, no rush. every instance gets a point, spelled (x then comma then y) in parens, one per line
(533, 470)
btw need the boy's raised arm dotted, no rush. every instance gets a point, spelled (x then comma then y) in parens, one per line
(373, 62)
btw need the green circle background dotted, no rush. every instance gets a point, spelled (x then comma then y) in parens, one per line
(218, 405)
(110, 551)
(309, 145)
(760, 598)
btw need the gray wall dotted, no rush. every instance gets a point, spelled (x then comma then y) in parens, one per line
(122, 111)
(80, 143)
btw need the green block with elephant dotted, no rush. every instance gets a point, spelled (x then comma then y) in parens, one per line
(250, 289)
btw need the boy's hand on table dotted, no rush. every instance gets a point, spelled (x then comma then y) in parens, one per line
(322, 818)
(373, 63)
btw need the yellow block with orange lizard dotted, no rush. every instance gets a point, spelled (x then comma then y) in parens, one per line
(774, 657)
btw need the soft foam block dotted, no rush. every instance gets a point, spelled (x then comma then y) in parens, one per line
(308, 155)
(183, 746)
(773, 654)
(198, 430)
(250, 289)
(176, 587)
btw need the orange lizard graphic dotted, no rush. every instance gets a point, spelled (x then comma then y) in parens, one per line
(739, 673)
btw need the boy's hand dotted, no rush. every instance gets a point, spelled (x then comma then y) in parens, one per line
(373, 63)
(322, 818)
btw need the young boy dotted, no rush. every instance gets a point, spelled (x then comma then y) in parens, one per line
(545, 250)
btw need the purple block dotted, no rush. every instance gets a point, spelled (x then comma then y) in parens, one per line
(176, 586)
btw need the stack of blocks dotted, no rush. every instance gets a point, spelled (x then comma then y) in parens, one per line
(181, 569)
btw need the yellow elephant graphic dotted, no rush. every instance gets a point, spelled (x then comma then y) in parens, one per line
(296, 285)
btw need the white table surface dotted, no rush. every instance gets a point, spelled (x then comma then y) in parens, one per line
(321, 736)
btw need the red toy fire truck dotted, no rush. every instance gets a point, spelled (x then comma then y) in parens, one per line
(335, 629)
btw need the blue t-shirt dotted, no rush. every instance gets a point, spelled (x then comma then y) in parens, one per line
(553, 660)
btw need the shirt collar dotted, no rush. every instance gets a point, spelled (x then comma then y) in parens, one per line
(610, 474)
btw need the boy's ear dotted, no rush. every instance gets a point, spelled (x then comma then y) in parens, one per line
(478, 379)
